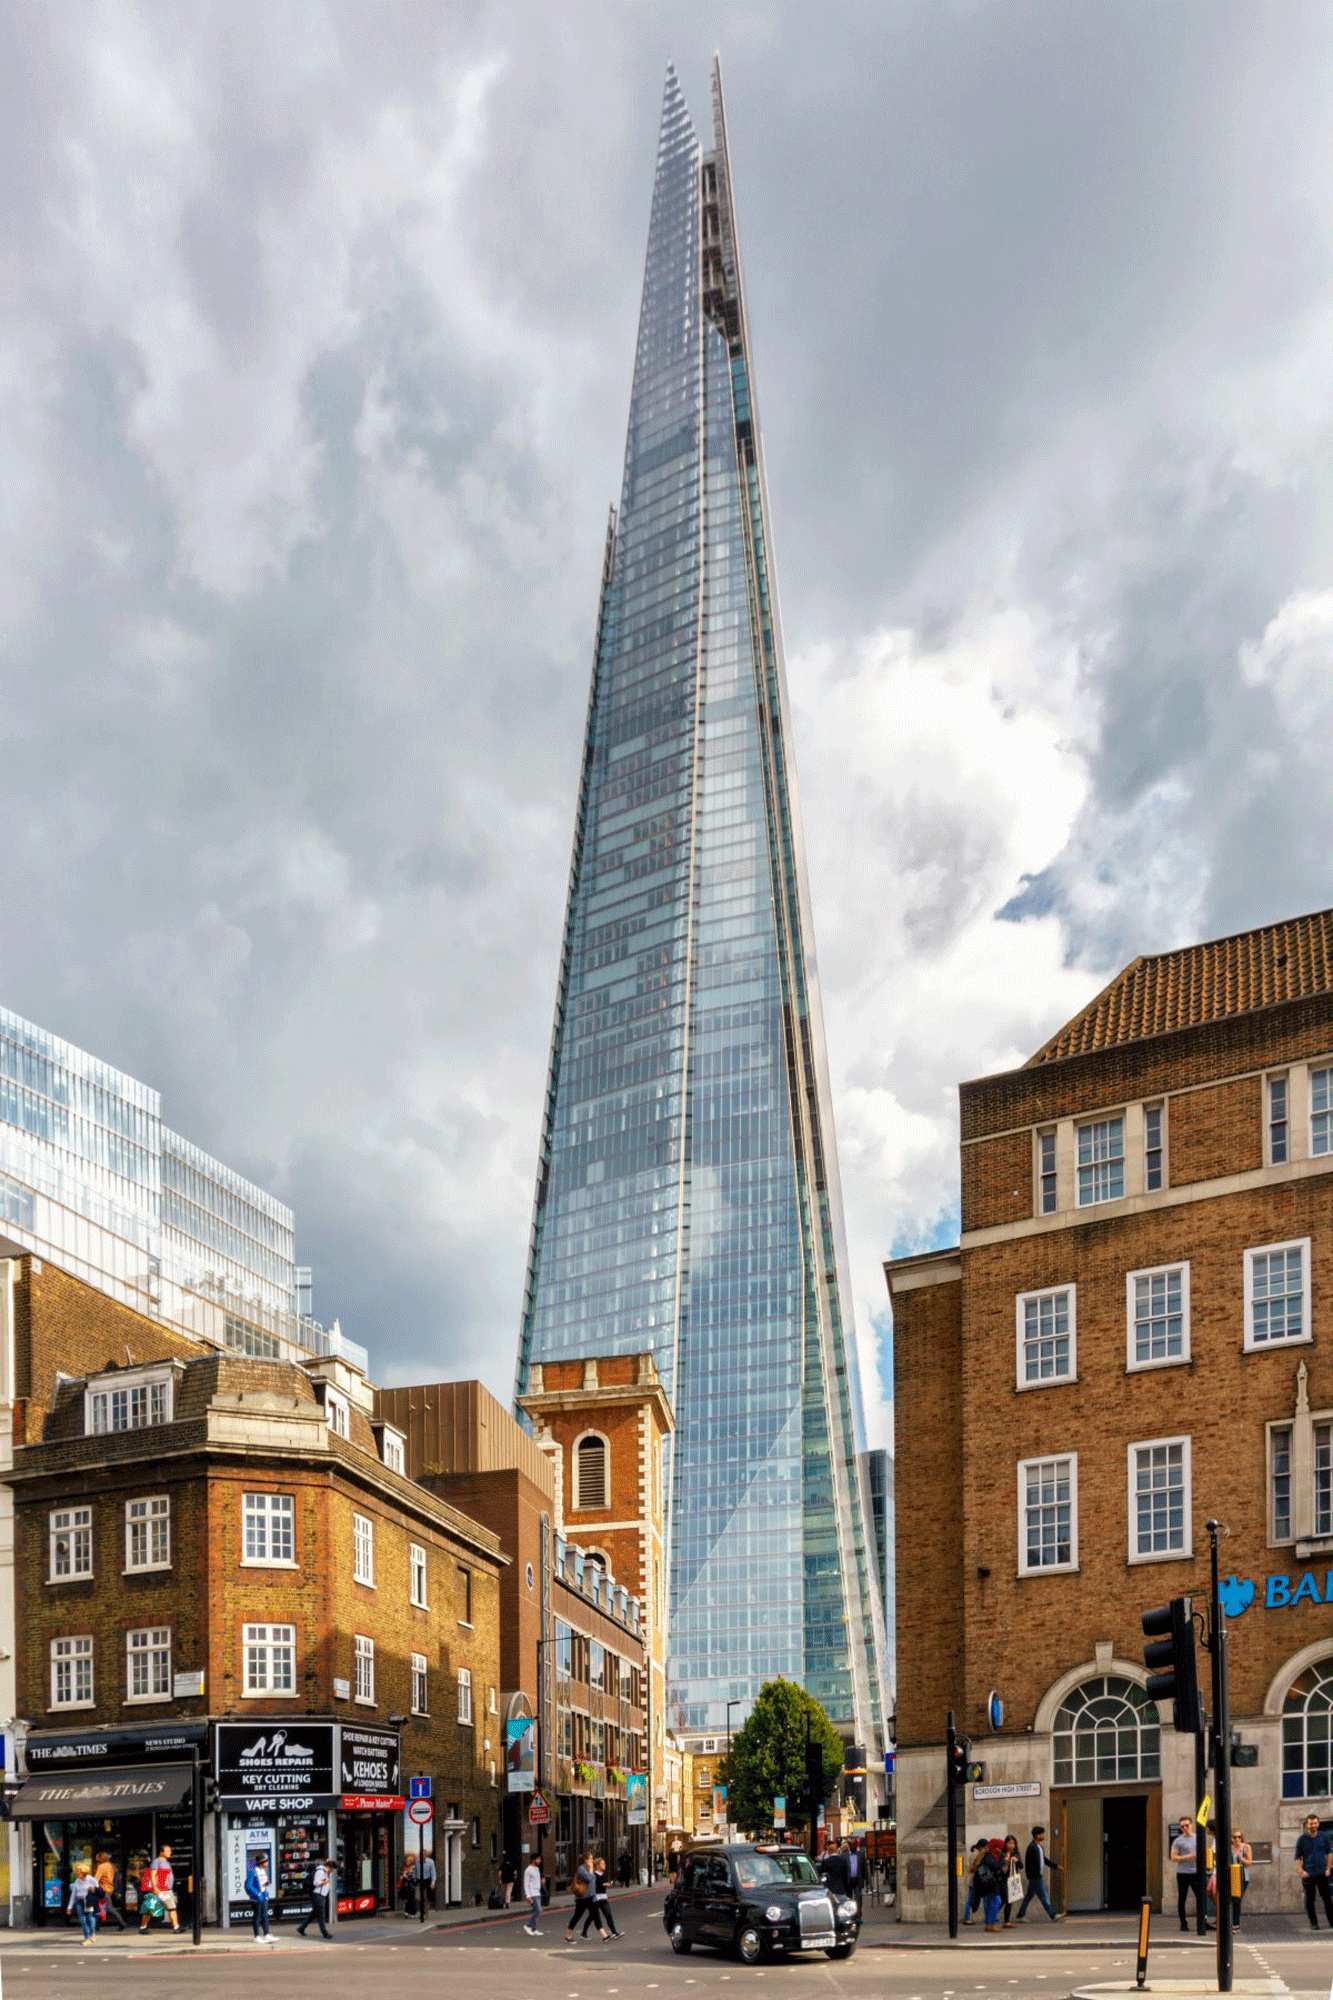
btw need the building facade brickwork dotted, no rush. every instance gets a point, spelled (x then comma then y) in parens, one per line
(1134, 1334)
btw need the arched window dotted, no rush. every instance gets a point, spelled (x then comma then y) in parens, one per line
(1307, 1732)
(591, 1484)
(597, 1559)
(1106, 1733)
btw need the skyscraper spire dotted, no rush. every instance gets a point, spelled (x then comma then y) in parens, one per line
(687, 1195)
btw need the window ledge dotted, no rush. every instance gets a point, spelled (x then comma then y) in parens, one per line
(269, 1694)
(1276, 1346)
(1161, 1556)
(418, 1604)
(64, 1707)
(364, 1583)
(1047, 1382)
(60, 1581)
(263, 1562)
(147, 1569)
(1321, 1545)
(145, 1700)
(364, 1701)
(1167, 1361)
(1049, 1569)
(466, 1624)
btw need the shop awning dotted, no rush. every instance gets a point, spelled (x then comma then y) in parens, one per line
(102, 1794)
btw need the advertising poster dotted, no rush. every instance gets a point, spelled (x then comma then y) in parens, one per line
(521, 1753)
(779, 1815)
(636, 1799)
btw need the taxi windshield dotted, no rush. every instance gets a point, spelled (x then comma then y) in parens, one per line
(752, 1869)
(797, 1868)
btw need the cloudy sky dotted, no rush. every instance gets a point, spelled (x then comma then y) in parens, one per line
(314, 367)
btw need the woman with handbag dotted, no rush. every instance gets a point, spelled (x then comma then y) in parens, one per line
(1012, 1863)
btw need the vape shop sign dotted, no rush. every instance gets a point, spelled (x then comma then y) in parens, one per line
(273, 1766)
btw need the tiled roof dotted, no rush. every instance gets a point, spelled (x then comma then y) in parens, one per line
(1204, 982)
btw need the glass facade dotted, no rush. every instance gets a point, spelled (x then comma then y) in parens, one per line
(91, 1179)
(687, 1197)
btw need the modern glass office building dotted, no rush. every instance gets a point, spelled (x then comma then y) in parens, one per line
(687, 1195)
(91, 1179)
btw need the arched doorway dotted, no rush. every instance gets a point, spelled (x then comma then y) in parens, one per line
(1106, 1752)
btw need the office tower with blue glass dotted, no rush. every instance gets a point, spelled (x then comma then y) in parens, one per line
(95, 1182)
(687, 1194)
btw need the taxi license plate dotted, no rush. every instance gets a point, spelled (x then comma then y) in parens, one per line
(821, 1941)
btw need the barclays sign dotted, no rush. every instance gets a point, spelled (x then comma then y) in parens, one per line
(1281, 1592)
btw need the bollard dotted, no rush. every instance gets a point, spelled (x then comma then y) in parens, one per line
(1145, 1912)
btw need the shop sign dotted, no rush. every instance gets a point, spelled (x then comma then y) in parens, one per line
(1024, 1791)
(368, 1762)
(271, 1766)
(521, 1752)
(353, 1906)
(1281, 1592)
(60, 1749)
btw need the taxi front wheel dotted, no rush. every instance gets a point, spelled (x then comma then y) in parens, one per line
(679, 1942)
(749, 1946)
(841, 1951)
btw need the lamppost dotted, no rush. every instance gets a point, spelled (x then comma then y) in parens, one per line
(738, 1703)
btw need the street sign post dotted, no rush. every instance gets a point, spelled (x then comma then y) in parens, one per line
(419, 1787)
(421, 1812)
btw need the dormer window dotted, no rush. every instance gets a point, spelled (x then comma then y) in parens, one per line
(392, 1449)
(337, 1415)
(132, 1403)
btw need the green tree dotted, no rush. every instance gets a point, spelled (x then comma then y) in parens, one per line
(767, 1757)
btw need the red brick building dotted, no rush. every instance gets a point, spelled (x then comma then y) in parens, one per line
(1133, 1333)
(214, 1553)
(575, 1628)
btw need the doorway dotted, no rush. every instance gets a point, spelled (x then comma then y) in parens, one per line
(1109, 1842)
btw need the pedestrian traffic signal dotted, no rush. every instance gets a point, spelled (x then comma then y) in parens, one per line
(1169, 1658)
(958, 1757)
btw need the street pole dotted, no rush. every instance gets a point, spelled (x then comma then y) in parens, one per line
(197, 1842)
(950, 1743)
(1221, 1773)
(1200, 1832)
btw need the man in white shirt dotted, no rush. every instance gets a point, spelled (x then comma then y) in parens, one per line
(319, 1891)
(532, 1889)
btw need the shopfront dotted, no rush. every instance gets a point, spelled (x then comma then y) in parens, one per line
(370, 1806)
(277, 1797)
(120, 1793)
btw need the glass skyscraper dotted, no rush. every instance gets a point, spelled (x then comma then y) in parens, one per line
(91, 1179)
(687, 1196)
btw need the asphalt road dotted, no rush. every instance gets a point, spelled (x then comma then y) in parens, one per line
(496, 1961)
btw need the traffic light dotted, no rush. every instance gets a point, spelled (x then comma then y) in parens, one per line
(958, 1760)
(1169, 1657)
(211, 1802)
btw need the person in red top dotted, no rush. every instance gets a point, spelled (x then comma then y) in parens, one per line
(162, 1882)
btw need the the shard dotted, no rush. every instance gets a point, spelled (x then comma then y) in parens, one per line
(687, 1193)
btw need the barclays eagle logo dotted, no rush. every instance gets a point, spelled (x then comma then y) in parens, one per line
(1237, 1595)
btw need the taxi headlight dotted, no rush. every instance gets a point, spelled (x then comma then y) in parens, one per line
(775, 1913)
(847, 1908)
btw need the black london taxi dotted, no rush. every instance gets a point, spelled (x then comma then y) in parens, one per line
(739, 1898)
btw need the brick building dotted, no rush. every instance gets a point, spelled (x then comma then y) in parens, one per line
(217, 1554)
(575, 1631)
(1133, 1333)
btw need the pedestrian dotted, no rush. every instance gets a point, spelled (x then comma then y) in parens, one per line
(973, 1900)
(83, 1900)
(585, 1900)
(673, 1863)
(835, 1872)
(624, 1868)
(1011, 1865)
(1185, 1855)
(1035, 1863)
(508, 1877)
(160, 1882)
(532, 1889)
(257, 1889)
(601, 1908)
(319, 1896)
(428, 1882)
(1241, 1856)
(408, 1886)
(107, 1877)
(1313, 1857)
(990, 1880)
(856, 1879)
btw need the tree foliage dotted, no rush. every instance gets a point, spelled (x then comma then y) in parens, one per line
(767, 1758)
